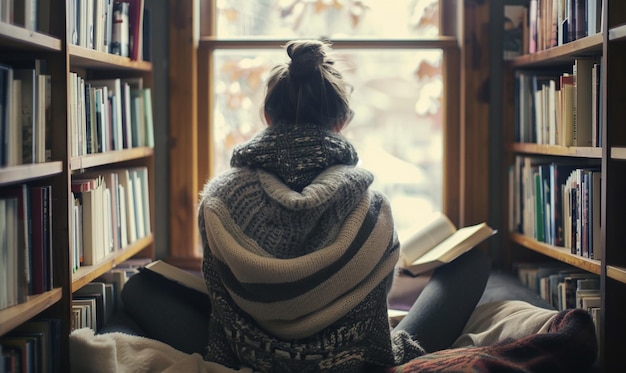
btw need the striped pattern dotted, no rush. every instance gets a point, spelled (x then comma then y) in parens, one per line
(298, 278)
(277, 292)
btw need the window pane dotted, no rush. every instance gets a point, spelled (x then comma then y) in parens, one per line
(328, 18)
(397, 127)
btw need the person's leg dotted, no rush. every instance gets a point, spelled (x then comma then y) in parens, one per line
(439, 314)
(168, 312)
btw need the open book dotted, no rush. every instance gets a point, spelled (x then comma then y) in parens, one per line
(440, 242)
(178, 275)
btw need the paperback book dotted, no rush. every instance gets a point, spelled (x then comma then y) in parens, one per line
(440, 242)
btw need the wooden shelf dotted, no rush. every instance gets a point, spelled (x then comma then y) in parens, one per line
(111, 157)
(435, 42)
(559, 253)
(618, 153)
(35, 304)
(86, 274)
(564, 151)
(27, 172)
(26, 40)
(89, 58)
(616, 273)
(618, 33)
(587, 46)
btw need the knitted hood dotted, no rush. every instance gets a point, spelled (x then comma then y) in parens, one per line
(296, 153)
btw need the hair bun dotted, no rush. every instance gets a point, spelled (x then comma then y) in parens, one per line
(306, 57)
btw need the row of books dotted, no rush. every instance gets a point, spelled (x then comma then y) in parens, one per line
(562, 286)
(557, 108)
(25, 243)
(110, 26)
(557, 203)
(31, 14)
(25, 113)
(109, 114)
(556, 22)
(33, 347)
(111, 210)
(94, 304)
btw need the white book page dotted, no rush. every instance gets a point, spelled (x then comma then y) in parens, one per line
(424, 239)
(462, 240)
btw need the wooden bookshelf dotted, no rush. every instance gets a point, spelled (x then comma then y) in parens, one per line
(609, 47)
(60, 58)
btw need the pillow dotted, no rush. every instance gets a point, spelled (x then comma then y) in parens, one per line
(495, 321)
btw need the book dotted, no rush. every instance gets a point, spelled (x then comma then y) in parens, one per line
(43, 88)
(439, 242)
(120, 37)
(135, 27)
(45, 331)
(582, 71)
(115, 96)
(38, 240)
(96, 303)
(25, 13)
(147, 101)
(14, 133)
(26, 350)
(90, 192)
(28, 100)
(127, 195)
(18, 245)
(177, 275)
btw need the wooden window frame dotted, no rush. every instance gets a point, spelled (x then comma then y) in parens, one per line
(190, 106)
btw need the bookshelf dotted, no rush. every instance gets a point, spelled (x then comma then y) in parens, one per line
(52, 46)
(608, 46)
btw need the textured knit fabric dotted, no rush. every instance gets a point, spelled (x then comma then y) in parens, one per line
(295, 153)
(298, 264)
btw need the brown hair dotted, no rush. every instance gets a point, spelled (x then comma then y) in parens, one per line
(309, 89)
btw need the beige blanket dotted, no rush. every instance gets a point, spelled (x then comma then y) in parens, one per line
(496, 321)
(125, 353)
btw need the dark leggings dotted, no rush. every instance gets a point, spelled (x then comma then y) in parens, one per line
(439, 314)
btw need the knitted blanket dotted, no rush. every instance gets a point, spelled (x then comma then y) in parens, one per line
(568, 346)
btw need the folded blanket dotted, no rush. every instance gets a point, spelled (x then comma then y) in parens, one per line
(124, 353)
(568, 345)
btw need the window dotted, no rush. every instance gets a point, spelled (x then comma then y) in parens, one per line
(395, 58)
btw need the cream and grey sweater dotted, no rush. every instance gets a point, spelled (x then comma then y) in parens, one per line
(298, 258)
